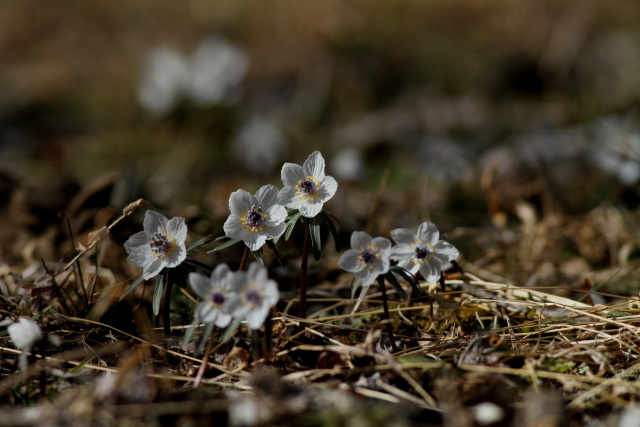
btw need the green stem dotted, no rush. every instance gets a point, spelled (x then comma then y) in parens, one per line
(385, 306)
(303, 274)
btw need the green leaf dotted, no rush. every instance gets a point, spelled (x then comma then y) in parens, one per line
(189, 333)
(206, 333)
(158, 291)
(132, 287)
(316, 241)
(258, 255)
(394, 284)
(226, 244)
(231, 329)
(200, 242)
(271, 244)
(328, 219)
(407, 277)
(291, 222)
(197, 265)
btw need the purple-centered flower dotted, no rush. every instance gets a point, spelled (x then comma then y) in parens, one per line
(422, 251)
(219, 293)
(254, 219)
(368, 257)
(257, 295)
(160, 245)
(306, 187)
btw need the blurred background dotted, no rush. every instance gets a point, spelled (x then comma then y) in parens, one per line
(475, 115)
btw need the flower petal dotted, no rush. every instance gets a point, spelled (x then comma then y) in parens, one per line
(276, 215)
(291, 174)
(219, 275)
(402, 252)
(310, 208)
(403, 236)
(328, 188)
(155, 222)
(383, 244)
(266, 196)
(314, 166)
(287, 197)
(366, 277)
(349, 261)
(273, 231)
(359, 238)
(153, 269)
(428, 232)
(178, 255)
(223, 320)
(206, 313)
(200, 284)
(177, 229)
(240, 201)
(430, 271)
(255, 318)
(446, 248)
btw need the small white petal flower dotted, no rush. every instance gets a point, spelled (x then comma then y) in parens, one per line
(220, 294)
(25, 333)
(160, 245)
(306, 187)
(254, 219)
(422, 251)
(165, 74)
(368, 257)
(257, 295)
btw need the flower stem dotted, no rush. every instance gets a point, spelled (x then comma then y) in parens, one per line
(245, 257)
(303, 274)
(385, 306)
(166, 312)
(205, 359)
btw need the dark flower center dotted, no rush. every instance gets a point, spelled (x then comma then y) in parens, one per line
(217, 298)
(307, 186)
(253, 296)
(161, 245)
(368, 256)
(422, 252)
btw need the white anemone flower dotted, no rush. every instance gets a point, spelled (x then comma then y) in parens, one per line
(423, 251)
(254, 219)
(368, 258)
(306, 187)
(24, 333)
(220, 295)
(160, 245)
(257, 295)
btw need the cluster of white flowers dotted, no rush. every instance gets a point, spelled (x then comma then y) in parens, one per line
(244, 295)
(370, 257)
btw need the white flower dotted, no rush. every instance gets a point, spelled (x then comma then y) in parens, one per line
(160, 245)
(165, 75)
(422, 251)
(368, 258)
(220, 294)
(254, 219)
(257, 295)
(306, 187)
(25, 333)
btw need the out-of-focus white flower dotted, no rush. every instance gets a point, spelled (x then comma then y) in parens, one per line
(306, 187)
(217, 68)
(160, 245)
(165, 75)
(487, 413)
(422, 251)
(257, 295)
(209, 76)
(347, 165)
(259, 145)
(617, 151)
(24, 333)
(254, 219)
(368, 258)
(220, 294)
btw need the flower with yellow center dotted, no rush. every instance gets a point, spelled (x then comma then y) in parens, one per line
(160, 245)
(306, 187)
(423, 251)
(368, 258)
(255, 218)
